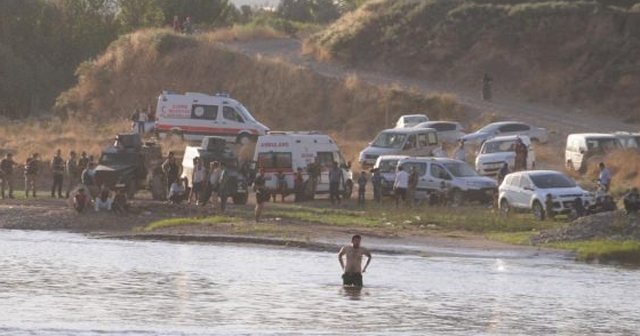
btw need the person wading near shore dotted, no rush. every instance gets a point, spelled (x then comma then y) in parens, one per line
(6, 174)
(57, 168)
(73, 172)
(31, 170)
(352, 270)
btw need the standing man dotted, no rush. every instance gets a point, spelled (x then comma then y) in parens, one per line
(401, 185)
(605, 177)
(31, 170)
(460, 153)
(83, 163)
(362, 187)
(336, 179)
(142, 121)
(352, 271)
(224, 188)
(73, 172)
(262, 195)
(197, 180)
(6, 173)
(412, 186)
(376, 181)
(521, 155)
(57, 168)
(171, 169)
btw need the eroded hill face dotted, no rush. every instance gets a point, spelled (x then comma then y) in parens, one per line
(134, 70)
(582, 53)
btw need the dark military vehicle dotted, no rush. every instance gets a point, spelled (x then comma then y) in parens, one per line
(216, 149)
(133, 165)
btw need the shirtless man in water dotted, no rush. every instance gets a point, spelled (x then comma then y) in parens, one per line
(353, 269)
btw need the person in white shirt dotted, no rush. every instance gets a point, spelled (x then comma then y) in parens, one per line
(459, 154)
(400, 185)
(142, 120)
(177, 192)
(103, 201)
(197, 180)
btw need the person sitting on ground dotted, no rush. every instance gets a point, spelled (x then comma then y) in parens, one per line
(119, 204)
(632, 202)
(177, 192)
(81, 200)
(103, 201)
(548, 204)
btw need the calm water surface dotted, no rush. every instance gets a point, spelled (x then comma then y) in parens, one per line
(66, 284)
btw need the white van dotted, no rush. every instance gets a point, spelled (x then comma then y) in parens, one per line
(583, 146)
(462, 182)
(386, 165)
(496, 151)
(192, 116)
(410, 120)
(285, 152)
(400, 141)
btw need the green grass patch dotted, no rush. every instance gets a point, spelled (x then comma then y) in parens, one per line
(172, 222)
(515, 238)
(625, 252)
(324, 216)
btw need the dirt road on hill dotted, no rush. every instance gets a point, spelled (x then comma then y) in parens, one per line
(560, 121)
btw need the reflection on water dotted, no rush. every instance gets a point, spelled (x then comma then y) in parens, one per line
(65, 284)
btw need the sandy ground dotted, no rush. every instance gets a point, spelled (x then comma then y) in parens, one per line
(54, 214)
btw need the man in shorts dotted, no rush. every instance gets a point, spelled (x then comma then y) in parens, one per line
(353, 269)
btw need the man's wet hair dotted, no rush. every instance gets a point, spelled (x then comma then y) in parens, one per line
(357, 236)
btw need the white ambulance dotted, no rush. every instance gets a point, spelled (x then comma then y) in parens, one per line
(193, 116)
(285, 152)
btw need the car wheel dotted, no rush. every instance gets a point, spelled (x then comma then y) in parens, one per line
(538, 211)
(505, 208)
(457, 198)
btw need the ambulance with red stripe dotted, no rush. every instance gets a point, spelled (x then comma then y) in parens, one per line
(285, 152)
(192, 116)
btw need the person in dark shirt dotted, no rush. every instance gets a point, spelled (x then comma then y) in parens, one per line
(6, 174)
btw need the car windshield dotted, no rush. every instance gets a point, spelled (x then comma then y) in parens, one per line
(245, 113)
(118, 158)
(414, 120)
(389, 140)
(460, 169)
(498, 146)
(388, 166)
(548, 181)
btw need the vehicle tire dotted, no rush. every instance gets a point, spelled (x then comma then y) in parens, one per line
(538, 211)
(505, 208)
(348, 190)
(240, 199)
(244, 139)
(457, 197)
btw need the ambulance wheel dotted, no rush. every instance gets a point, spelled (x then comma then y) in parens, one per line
(348, 190)
(244, 139)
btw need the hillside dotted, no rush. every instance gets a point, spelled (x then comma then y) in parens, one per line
(573, 52)
(134, 69)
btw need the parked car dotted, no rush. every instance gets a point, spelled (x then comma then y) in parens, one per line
(628, 140)
(582, 147)
(401, 141)
(462, 182)
(387, 164)
(192, 116)
(410, 120)
(448, 131)
(496, 151)
(506, 128)
(527, 191)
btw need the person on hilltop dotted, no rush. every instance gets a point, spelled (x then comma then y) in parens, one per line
(31, 171)
(73, 172)
(362, 187)
(604, 179)
(171, 169)
(7, 166)
(522, 152)
(401, 185)
(57, 168)
(336, 179)
(352, 269)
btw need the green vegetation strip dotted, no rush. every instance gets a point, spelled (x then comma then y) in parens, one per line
(625, 252)
(172, 222)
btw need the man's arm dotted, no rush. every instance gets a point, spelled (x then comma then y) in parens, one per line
(340, 254)
(368, 254)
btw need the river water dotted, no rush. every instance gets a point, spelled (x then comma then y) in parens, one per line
(56, 283)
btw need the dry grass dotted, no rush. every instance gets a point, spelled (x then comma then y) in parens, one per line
(241, 33)
(625, 167)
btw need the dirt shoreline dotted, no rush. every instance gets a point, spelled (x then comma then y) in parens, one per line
(55, 215)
